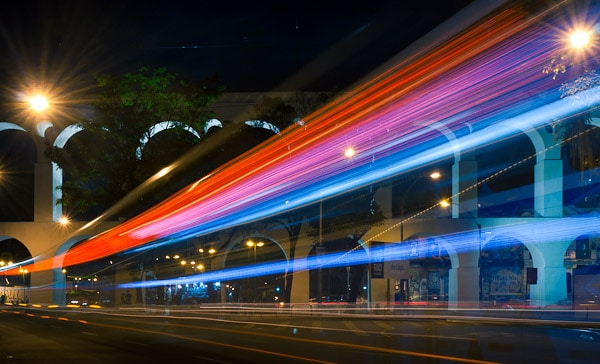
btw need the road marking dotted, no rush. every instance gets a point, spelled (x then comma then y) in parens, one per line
(384, 325)
(355, 329)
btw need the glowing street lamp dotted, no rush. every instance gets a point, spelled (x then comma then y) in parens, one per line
(349, 152)
(38, 103)
(251, 244)
(434, 176)
(64, 221)
(23, 272)
(580, 39)
(445, 204)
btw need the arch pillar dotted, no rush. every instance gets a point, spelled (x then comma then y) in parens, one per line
(464, 177)
(44, 206)
(548, 187)
(45, 279)
(301, 282)
(551, 287)
(463, 281)
(463, 287)
(59, 287)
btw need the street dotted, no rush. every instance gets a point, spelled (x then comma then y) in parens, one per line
(35, 335)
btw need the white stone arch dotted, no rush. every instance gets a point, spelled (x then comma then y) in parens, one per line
(591, 235)
(161, 126)
(10, 126)
(508, 237)
(67, 133)
(212, 123)
(527, 241)
(456, 150)
(442, 243)
(448, 133)
(260, 124)
(595, 121)
(238, 238)
(8, 237)
(57, 175)
(14, 293)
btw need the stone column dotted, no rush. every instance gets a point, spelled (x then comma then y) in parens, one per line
(59, 291)
(548, 183)
(300, 287)
(548, 258)
(45, 289)
(463, 287)
(464, 190)
(43, 201)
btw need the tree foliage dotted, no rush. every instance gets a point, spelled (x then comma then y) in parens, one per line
(275, 111)
(106, 161)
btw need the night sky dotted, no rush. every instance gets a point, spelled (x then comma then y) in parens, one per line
(59, 46)
(249, 47)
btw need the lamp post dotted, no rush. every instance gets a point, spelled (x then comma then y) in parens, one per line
(434, 176)
(206, 265)
(251, 244)
(445, 203)
(23, 272)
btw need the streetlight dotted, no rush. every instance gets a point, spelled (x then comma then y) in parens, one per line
(38, 103)
(579, 39)
(64, 221)
(434, 176)
(253, 245)
(23, 272)
(445, 203)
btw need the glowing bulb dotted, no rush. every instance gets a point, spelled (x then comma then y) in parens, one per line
(349, 152)
(38, 103)
(580, 39)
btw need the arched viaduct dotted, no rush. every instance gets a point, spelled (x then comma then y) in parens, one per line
(546, 235)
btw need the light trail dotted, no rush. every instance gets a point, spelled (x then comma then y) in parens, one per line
(483, 84)
(546, 231)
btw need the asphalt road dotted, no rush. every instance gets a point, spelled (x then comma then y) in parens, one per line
(29, 335)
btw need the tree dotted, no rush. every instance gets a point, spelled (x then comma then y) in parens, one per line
(275, 111)
(107, 161)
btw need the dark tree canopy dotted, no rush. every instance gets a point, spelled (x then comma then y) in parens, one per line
(109, 159)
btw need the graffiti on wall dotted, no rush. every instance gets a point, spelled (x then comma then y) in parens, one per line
(506, 281)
